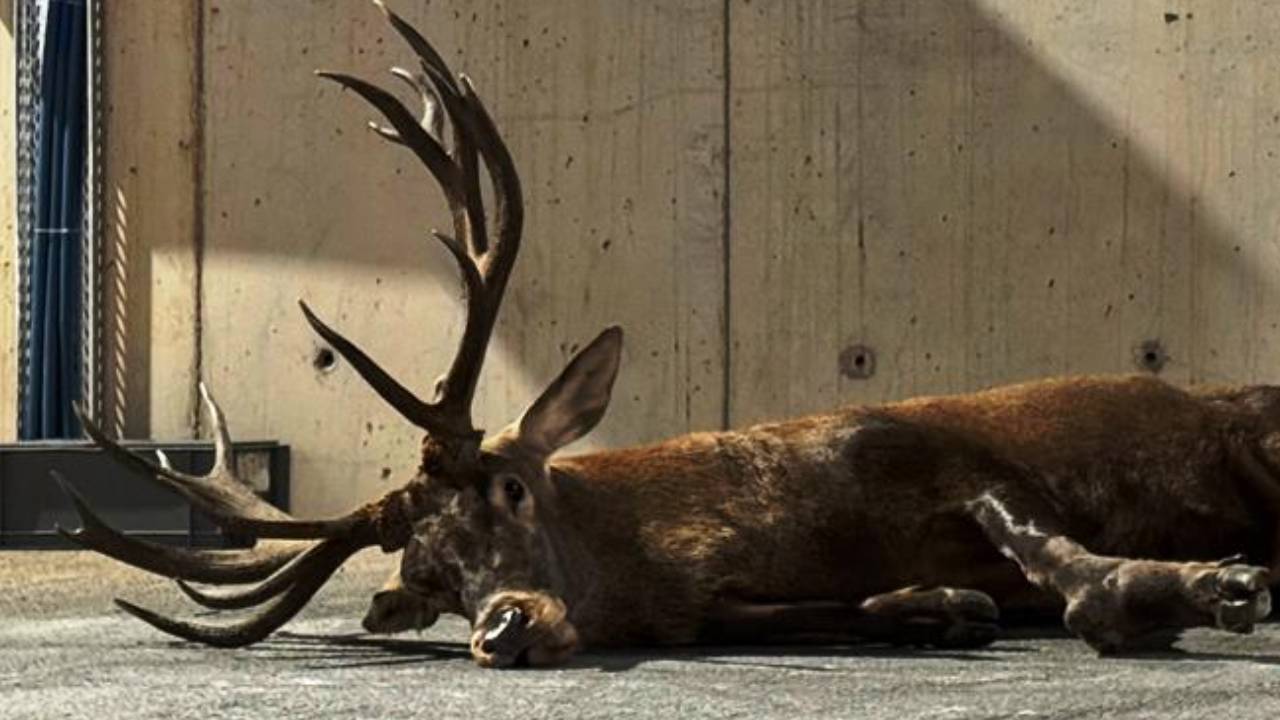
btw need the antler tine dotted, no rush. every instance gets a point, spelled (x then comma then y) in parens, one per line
(427, 416)
(283, 579)
(211, 566)
(465, 154)
(432, 118)
(424, 415)
(426, 53)
(473, 286)
(464, 147)
(495, 265)
(323, 560)
(223, 452)
(222, 495)
(464, 151)
(239, 600)
(509, 198)
(409, 132)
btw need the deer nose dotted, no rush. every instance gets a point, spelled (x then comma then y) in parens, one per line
(505, 633)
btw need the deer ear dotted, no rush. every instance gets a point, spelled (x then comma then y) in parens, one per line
(576, 400)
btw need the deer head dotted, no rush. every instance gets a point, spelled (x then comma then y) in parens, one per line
(473, 521)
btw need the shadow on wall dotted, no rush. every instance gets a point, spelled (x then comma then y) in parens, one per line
(614, 113)
(980, 191)
(991, 190)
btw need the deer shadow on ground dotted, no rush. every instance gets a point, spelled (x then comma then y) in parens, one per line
(354, 650)
(360, 650)
(808, 657)
(336, 652)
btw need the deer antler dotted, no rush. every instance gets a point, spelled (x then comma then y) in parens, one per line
(485, 263)
(292, 570)
(228, 500)
(212, 566)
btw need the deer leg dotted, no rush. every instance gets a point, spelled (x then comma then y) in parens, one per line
(394, 608)
(937, 617)
(1119, 604)
(1256, 463)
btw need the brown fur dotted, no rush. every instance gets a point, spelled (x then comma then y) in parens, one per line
(651, 543)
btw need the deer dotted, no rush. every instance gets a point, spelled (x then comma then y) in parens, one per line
(1132, 509)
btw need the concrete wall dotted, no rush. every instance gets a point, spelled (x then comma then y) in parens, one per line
(984, 191)
(152, 216)
(978, 191)
(614, 111)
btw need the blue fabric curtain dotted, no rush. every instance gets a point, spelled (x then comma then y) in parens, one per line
(54, 282)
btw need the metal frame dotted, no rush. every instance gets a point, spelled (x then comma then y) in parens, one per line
(31, 507)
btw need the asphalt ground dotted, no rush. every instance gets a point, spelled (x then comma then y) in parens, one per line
(66, 652)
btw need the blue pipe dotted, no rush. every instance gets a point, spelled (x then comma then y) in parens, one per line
(55, 268)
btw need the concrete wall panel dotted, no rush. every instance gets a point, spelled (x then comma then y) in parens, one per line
(613, 112)
(990, 190)
(150, 217)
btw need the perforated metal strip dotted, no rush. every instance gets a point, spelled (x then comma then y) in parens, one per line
(91, 287)
(28, 42)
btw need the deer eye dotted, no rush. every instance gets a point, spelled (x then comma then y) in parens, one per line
(514, 490)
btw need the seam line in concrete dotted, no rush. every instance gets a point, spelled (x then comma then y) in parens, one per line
(198, 107)
(726, 415)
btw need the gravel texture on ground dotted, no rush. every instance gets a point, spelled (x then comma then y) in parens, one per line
(65, 651)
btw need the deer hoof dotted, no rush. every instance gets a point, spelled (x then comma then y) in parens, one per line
(938, 617)
(973, 616)
(1243, 597)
